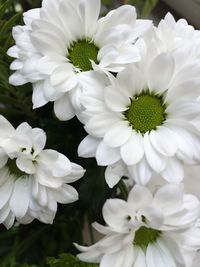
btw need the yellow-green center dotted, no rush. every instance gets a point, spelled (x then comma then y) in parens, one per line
(146, 112)
(144, 236)
(11, 164)
(81, 52)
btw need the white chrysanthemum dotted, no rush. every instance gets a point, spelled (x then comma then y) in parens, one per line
(147, 230)
(63, 41)
(171, 34)
(33, 179)
(145, 121)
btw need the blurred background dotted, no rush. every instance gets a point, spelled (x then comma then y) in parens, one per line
(30, 245)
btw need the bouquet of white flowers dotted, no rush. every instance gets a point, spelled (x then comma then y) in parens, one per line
(133, 91)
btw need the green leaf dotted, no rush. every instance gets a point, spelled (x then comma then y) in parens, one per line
(68, 260)
(10, 23)
(25, 265)
(4, 7)
(148, 7)
(144, 7)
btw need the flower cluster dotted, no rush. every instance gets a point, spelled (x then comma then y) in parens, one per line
(147, 230)
(136, 89)
(32, 179)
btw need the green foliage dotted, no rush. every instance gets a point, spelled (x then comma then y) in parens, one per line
(68, 260)
(144, 7)
(25, 265)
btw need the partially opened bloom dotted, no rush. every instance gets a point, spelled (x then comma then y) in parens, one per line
(33, 179)
(145, 121)
(171, 34)
(149, 230)
(64, 40)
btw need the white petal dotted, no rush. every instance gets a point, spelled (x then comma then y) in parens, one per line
(140, 259)
(141, 173)
(164, 141)
(88, 147)
(118, 134)
(19, 201)
(125, 14)
(106, 155)
(63, 108)
(91, 255)
(9, 221)
(115, 213)
(49, 63)
(46, 179)
(50, 93)
(4, 213)
(16, 65)
(116, 99)
(66, 194)
(62, 166)
(26, 219)
(17, 79)
(174, 171)
(38, 139)
(6, 190)
(3, 158)
(136, 197)
(155, 257)
(76, 173)
(155, 159)
(52, 203)
(38, 98)
(133, 150)
(71, 19)
(89, 11)
(132, 80)
(7, 130)
(63, 78)
(25, 165)
(54, 162)
(48, 42)
(31, 15)
(168, 197)
(114, 173)
(160, 73)
(99, 124)
(41, 196)
(13, 51)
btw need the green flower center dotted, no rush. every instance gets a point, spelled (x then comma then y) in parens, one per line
(144, 236)
(80, 53)
(146, 112)
(11, 164)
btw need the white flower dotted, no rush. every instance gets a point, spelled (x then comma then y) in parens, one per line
(33, 179)
(147, 230)
(145, 121)
(63, 41)
(170, 35)
(191, 180)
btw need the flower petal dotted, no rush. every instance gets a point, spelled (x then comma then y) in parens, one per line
(19, 201)
(133, 150)
(63, 108)
(115, 99)
(114, 173)
(106, 155)
(118, 134)
(88, 147)
(155, 159)
(159, 80)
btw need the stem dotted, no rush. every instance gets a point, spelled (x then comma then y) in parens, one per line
(123, 189)
(90, 229)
